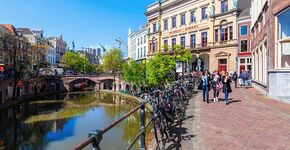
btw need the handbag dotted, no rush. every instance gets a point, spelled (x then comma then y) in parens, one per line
(219, 85)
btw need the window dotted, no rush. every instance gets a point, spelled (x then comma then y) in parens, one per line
(242, 61)
(284, 36)
(192, 41)
(204, 13)
(165, 42)
(216, 35)
(173, 41)
(224, 34)
(174, 22)
(144, 51)
(154, 46)
(224, 6)
(141, 40)
(154, 28)
(138, 42)
(244, 30)
(141, 52)
(244, 46)
(138, 53)
(182, 41)
(203, 39)
(192, 17)
(182, 19)
(165, 24)
(144, 39)
(231, 32)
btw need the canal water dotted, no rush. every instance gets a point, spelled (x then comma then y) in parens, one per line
(59, 122)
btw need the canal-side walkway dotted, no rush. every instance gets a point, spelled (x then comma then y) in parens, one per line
(250, 122)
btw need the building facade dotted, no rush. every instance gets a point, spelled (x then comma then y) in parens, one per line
(244, 55)
(12, 46)
(137, 44)
(207, 28)
(60, 45)
(271, 47)
(50, 57)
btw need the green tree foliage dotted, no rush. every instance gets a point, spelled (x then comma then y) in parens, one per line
(134, 73)
(113, 61)
(159, 69)
(79, 63)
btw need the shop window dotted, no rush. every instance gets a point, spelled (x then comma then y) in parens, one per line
(284, 38)
(244, 46)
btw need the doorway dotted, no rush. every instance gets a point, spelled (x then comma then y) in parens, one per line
(223, 65)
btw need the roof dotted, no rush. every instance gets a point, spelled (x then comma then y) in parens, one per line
(244, 13)
(9, 27)
(244, 4)
(244, 7)
(24, 31)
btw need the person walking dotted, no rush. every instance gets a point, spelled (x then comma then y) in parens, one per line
(226, 80)
(216, 85)
(205, 85)
(235, 78)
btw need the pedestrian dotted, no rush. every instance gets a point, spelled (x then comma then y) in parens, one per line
(243, 77)
(205, 85)
(216, 85)
(226, 80)
(235, 78)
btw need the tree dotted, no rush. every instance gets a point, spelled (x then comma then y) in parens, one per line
(36, 58)
(113, 61)
(159, 69)
(134, 73)
(180, 53)
(75, 61)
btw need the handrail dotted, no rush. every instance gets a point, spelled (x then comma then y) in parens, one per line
(96, 136)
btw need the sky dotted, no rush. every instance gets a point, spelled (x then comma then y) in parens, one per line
(86, 22)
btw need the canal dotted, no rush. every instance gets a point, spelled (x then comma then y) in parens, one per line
(61, 121)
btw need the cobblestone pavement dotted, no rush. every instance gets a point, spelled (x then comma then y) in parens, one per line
(250, 122)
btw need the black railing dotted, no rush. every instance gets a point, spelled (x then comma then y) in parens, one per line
(96, 136)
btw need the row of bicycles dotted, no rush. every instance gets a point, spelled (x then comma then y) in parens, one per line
(168, 106)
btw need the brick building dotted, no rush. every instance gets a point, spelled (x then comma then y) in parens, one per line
(271, 47)
(244, 55)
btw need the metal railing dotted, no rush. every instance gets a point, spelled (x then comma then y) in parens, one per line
(96, 136)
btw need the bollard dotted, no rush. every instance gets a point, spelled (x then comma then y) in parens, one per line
(143, 135)
(97, 134)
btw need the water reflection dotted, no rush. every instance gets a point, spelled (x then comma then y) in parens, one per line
(62, 121)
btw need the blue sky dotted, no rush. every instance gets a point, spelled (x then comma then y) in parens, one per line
(87, 22)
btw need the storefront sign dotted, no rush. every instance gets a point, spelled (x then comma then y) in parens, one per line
(183, 30)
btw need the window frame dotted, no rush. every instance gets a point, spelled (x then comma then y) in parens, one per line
(173, 22)
(204, 14)
(204, 40)
(246, 30)
(192, 16)
(224, 8)
(165, 22)
(182, 20)
(183, 41)
(241, 46)
(192, 40)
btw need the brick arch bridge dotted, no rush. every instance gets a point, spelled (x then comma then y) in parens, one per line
(98, 79)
